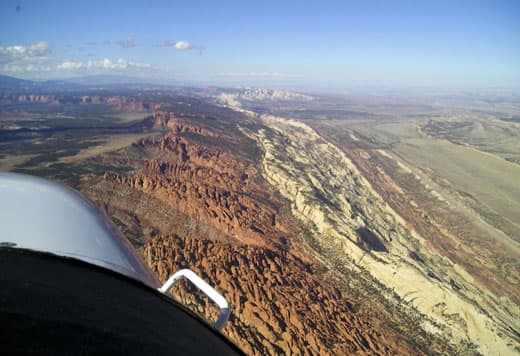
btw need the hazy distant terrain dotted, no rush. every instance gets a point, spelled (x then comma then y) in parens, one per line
(334, 224)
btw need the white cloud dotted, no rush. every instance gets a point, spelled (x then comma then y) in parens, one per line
(39, 49)
(182, 45)
(179, 45)
(119, 64)
(21, 68)
(140, 65)
(103, 65)
(12, 68)
(9, 54)
(70, 65)
(33, 59)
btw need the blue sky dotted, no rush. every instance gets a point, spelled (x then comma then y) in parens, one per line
(336, 43)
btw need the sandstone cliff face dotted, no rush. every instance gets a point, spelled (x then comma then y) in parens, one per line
(209, 185)
(178, 125)
(281, 303)
(28, 98)
(120, 102)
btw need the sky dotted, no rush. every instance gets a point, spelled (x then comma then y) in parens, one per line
(322, 43)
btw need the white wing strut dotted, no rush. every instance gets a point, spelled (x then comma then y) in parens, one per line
(204, 287)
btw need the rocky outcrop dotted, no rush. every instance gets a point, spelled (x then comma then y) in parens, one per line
(207, 183)
(353, 224)
(283, 301)
(119, 102)
(271, 94)
(278, 306)
(27, 98)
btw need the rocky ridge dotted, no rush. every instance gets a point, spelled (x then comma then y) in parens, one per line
(119, 102)
(271, 94)
(328, 193)
(282, 303)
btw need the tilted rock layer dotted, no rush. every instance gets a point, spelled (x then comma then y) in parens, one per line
(355, 225)
(282, 298)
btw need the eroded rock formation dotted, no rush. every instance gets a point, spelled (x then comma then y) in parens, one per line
(119, 102)
(283, 298)
(278, 305)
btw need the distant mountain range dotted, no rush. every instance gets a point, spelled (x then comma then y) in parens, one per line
(98, 82)
(123, 84)
(23, 85)
(11, 83)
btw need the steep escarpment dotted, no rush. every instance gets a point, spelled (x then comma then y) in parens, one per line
(209, 185)
(353, 225)
(197, 200)
(119, 102)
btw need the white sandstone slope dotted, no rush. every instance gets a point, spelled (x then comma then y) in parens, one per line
(330, 196)
(260, 94)
(328, 192)
(271, 94)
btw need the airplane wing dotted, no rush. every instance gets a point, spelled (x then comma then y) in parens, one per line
(71, 283)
